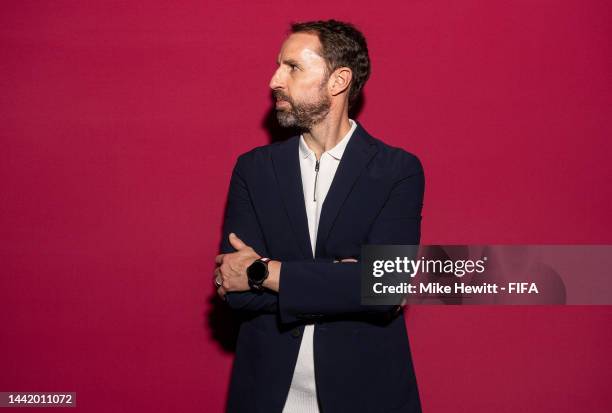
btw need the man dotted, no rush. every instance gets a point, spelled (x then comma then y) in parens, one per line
(297, 215)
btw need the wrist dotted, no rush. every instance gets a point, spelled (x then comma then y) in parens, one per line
(257, 273)
(272, 282)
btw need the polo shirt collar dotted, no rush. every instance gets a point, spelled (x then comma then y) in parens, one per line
(337, 151)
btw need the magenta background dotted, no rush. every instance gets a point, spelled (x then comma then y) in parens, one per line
(120, 123)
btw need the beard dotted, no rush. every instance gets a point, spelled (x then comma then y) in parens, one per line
(302, 115)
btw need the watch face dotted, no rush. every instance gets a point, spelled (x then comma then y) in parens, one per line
(257, 271)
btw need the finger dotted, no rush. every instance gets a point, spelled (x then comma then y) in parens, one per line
(219, 259)
(217, 277)
(221, 292)
(236, 242)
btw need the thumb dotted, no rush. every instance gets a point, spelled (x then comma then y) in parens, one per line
(236, 242)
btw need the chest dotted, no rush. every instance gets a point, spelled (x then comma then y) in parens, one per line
(338, 218)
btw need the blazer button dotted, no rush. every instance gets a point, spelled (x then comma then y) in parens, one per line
(295, 332)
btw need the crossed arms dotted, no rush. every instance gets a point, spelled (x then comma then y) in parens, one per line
(307, 290)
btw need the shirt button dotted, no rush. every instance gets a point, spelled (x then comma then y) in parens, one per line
(295, 332)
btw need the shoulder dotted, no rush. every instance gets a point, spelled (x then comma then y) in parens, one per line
(399, 160)
(263, 154)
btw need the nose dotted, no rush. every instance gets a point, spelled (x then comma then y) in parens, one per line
(276, 81)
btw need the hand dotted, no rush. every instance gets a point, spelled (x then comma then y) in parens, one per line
(230, 272)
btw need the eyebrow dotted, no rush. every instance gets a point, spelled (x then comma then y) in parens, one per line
(289, 62)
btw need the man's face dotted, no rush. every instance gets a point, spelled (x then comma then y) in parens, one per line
(300, 82)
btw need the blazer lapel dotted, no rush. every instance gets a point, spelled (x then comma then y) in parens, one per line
(285, 159)
(286, 162)
(360, 149)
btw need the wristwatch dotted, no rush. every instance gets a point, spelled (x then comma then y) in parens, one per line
(257, 273)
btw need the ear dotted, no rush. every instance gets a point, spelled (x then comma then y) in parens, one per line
(340, 80)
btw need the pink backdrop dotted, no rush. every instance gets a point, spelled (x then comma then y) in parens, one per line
(120, 123)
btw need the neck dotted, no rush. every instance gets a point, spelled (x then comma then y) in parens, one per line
(326, 134)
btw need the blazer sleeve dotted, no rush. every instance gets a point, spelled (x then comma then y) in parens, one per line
(241, 219)
(310, 290)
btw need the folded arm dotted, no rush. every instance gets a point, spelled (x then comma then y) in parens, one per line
(312, 290)
(306, 290)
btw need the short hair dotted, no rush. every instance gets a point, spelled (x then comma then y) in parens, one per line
(342, 45)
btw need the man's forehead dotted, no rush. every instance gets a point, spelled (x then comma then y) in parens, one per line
(300, 46)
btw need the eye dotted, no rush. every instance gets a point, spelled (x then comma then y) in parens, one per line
(293, 67)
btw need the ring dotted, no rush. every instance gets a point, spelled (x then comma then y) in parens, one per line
(217, 283)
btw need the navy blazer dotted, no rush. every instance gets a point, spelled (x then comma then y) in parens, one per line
(362, 354)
